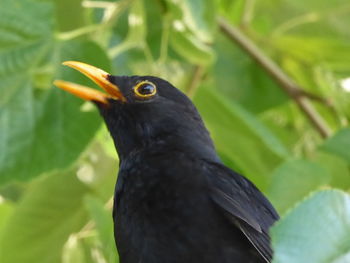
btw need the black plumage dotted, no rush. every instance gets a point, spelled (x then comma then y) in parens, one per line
(174, 200)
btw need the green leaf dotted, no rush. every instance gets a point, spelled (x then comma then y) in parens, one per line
(337, 167)
(317, 230)
(286, 182)
(188, 46)
(232, 10)
(339, 144)
(137, 24)
(39, 131)
(6, 209)
(240, 137)
(191, 31)
(197, 15)
(240, 79)
(26, 34)
(331, 52)
(74, 14)
(136, 32)
(43, 220)
(317, 18)
(316, 4)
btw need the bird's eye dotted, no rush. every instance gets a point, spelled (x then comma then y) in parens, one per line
(145, 89)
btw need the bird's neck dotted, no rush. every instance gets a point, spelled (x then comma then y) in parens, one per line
(192, 142)
(194, 148)
(183, 133)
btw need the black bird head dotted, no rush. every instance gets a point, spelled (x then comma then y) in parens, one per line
(144, 112)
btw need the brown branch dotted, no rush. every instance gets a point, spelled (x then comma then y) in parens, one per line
(284, 81)
(317, 98)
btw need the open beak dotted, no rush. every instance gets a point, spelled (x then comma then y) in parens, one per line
(99, 76)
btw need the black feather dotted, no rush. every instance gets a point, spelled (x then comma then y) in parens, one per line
(245, 207)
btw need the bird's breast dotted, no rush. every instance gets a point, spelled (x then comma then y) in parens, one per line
(162, 209)
(155, 206)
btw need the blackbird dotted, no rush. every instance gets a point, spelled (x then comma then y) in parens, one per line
(175, 201)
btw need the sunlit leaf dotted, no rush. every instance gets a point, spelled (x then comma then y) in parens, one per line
(6, 209)
(317, 230)
(41, 223)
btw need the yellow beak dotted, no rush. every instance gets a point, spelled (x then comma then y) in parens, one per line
(99, 76)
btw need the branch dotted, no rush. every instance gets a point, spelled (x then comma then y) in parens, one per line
(284, 81)
(326, 102)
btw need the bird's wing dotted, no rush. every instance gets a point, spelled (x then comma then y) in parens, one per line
(244, 205)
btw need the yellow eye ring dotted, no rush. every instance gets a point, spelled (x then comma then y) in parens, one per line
(145, 89)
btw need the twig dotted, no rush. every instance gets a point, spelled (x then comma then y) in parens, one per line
(112, 10)
(296, 21)
(285, 82)
(91, 223)
(97, 4)
(195, 80)
(317, 98)
(164, 40)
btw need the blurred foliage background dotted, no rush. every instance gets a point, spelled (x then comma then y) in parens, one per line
(271, 79)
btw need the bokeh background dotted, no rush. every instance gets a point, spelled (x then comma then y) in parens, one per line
(271, 79)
